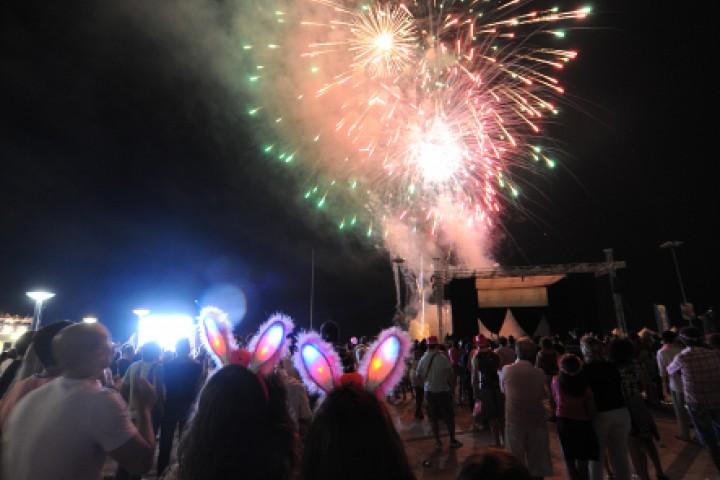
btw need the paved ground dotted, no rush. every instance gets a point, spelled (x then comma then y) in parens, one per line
(682, 460)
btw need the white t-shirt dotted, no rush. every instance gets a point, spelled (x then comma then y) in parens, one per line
(435, 372)
(63, 431)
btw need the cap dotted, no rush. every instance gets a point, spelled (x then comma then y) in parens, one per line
(432, 340)
(481, 340)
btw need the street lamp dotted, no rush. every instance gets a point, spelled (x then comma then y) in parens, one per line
(39, 298)
(672, 246)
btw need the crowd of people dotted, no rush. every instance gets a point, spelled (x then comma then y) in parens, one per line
(75, 399)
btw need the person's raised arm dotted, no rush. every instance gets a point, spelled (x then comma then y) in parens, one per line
(138, 453)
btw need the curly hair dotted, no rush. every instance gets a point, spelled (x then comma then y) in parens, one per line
(239, 432)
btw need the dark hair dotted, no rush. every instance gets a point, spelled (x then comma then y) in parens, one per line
(546, 342)
(23, 343)
(621, 351)
(668, 336)
(353, 437)
(238, 432)
(493, 464)
(571, 380)
(42, 342)
(330, 332)
(151, 351)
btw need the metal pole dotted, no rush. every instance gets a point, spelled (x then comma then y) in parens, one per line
(439, 284)
(36, 315)
(677, 270)
(617, 299)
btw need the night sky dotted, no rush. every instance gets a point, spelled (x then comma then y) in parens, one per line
(131, 176)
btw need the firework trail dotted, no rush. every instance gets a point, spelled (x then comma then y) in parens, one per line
(412, 119)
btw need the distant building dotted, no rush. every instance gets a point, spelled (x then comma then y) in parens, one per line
(11, 327)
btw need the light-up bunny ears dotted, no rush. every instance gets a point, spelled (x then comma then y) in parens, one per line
(382, 367)
(266, 347)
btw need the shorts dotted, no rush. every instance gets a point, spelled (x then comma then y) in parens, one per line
(440, 405)
(493, 403)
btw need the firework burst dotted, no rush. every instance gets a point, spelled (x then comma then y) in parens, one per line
(423, 111)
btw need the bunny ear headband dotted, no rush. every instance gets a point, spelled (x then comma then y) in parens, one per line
(267, 346)
(381, 369)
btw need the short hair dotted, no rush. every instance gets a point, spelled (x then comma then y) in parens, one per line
(592, 349)
(182, 346)
(668, 337)
(525, 349)
(330, 332)
(493, 464)
(23, 343)
(75, 346)
(128, 348)
(151, 351)
(353, 437)
(621, 351)
(42, 342)
(546, 342)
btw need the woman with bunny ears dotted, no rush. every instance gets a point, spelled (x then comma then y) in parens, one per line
(241, 427)
(352, 435)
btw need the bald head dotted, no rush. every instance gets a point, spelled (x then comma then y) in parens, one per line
(82, 349)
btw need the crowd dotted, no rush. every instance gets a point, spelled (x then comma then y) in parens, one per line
(74, 400)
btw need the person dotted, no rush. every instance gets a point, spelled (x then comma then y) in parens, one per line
(65, 429)
(438, 383)
(547, 361)
(238, 430)
(151, 369)
(485, 365)
(126, 359)
(416, 381)
(643, 431)
(526, 432)
(454, 353)
(492, 464)
(574, 411)
(700, 370)
(506, 352)
(8, 376)
(352, 437)
(298, 402)
(42, 342)
(673, 383)
(182, 379)
(612, 421)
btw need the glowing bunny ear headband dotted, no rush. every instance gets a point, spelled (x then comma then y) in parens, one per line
(266, 347)
(382, 366)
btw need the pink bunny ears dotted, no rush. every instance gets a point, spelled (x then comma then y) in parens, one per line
(266, 348)
(381, 369)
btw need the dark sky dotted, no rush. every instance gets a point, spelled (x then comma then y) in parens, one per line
(129, 179)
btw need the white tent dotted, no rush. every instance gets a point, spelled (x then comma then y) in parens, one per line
(483, 330)
(543, 328)
(510, 327)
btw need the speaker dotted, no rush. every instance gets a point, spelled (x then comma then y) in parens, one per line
(464, 302)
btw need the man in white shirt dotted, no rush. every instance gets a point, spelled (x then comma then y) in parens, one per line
(526, 432)
(65, 429)
(434, 368)
(673, 383)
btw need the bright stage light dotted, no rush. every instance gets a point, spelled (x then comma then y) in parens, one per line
(166, 329)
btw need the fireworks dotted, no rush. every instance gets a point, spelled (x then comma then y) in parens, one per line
(421, 112)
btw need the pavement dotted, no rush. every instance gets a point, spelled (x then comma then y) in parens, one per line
(681, 460)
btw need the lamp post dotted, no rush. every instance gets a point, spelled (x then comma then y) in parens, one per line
(616, 297)
(672, 246)
(39, 297)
